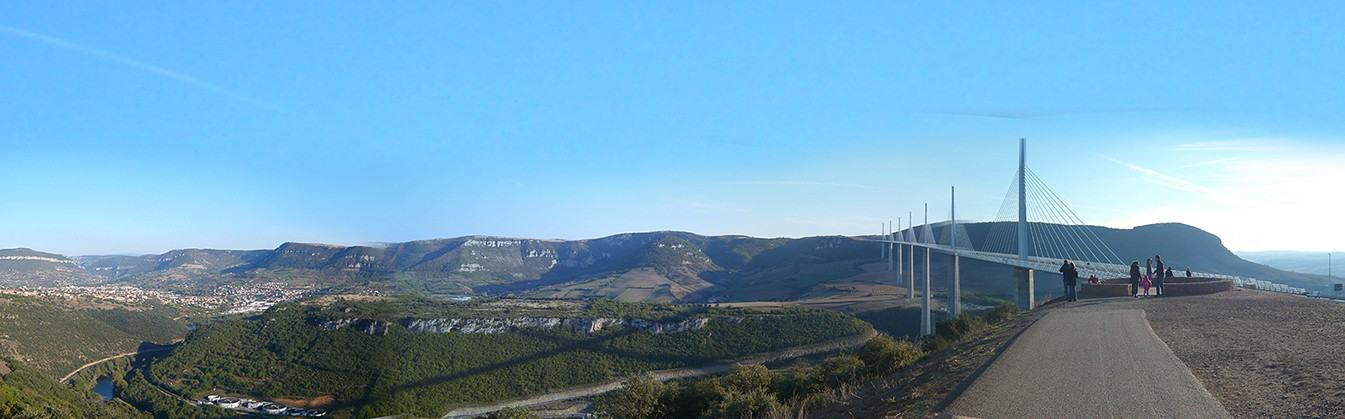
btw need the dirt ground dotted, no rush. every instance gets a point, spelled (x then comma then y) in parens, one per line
(316, 402)
(1261, 354)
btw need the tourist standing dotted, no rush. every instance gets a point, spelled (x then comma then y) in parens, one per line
(1071, 277)
(1158, 278)
(1135, 279)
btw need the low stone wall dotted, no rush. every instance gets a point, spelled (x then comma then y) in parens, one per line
(1196, 286)
(1174, 287)
(1105, 289)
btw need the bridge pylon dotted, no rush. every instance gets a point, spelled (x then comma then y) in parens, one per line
(1025, 277)
(955, 290)
(926, 294)
(910, 249)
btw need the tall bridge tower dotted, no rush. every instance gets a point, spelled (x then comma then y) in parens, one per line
(1025, 277)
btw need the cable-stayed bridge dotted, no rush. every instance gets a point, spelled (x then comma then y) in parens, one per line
(1034, 231)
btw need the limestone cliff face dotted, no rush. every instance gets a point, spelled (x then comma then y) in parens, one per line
(580, 325)
(372, 327)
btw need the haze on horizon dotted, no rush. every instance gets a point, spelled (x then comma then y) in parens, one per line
(245, 125)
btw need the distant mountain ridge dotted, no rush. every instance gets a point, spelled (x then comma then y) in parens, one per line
(1315, 263)
(28, 266)
(652, 266)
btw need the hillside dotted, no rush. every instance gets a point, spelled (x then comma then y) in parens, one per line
(421, 357)
(19, 267)
(653, 267)
(25, 393)
(55, 336)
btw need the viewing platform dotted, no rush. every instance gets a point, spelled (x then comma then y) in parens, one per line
(1177, 286)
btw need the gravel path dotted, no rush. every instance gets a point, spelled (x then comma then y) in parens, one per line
(1261, 354)
(1086, 362)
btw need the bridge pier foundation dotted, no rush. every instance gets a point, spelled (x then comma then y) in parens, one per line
(955, 292)
(926, 295)
(910, 277)
(891, 258)
(1025, 292)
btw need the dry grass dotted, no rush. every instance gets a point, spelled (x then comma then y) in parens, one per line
(926, 387)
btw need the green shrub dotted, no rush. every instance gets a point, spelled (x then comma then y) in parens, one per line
(1002, 313)
(845, 369)
(752, 404)
(797, 382)
(957, 328)
(882, 354)
(747, 378)
(937, 343)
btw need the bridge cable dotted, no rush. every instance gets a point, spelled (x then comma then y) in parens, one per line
(1070, 240)
(999, 236)
(1051, 238)
(1083, 244)
(1086, 232)
(1099, 242)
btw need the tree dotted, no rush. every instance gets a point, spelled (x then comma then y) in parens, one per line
(511, 413)
(748, 378)
(638, 398)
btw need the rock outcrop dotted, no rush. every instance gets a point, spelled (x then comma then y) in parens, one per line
(579, 325)
(372, 327)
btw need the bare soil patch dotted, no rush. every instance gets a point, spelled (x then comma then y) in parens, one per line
(1261, 354)
(316, 402)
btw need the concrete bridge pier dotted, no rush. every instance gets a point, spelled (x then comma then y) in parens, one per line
(955, 291)
(910, 277)
(891, 260)
(900, 268)
(926, 318)
(1025, 292)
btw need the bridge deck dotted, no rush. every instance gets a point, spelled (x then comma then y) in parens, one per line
(1101, 269)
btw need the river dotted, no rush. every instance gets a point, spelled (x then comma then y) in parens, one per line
(103, 388)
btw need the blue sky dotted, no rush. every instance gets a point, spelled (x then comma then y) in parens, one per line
(143, 127)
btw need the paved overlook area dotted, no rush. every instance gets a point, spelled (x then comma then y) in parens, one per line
(1088, 361)
(1233, 354)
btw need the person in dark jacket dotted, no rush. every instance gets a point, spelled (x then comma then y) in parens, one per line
(1188, 271)
(1135, 279)
(1071, 277)
(1158, 279)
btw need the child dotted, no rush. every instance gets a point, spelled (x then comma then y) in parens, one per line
(1146, 283)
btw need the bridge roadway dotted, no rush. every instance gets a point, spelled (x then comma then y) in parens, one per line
(1045, 264)
(1097, 359)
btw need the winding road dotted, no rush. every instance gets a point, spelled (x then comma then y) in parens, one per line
(664, 375)
(67, 377)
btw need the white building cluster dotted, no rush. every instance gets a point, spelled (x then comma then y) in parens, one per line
(259, 406)
(225, 299)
